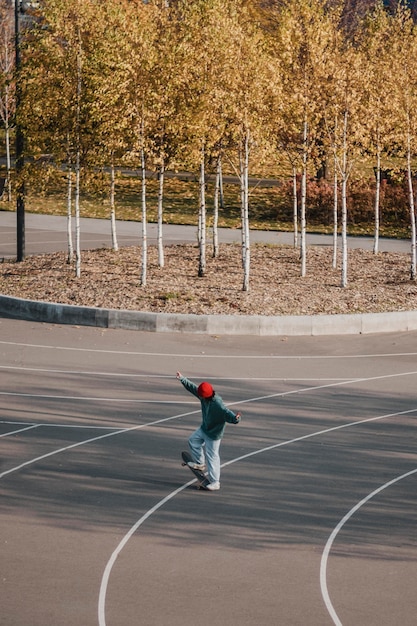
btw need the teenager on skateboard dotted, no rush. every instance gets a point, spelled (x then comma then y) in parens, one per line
(205, 441)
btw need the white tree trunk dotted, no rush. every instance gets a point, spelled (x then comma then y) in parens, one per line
(77, 217)
(413, 270)
(335, 214)
(295, 205)
(303, 245)
(245, 213)
(161, 178)
(70, 256)
(5, 115)
(115, 244)
(344, 280)
(377, 201)
(216, 207)
(77, 162)
(202, 217)
(143, 277)
(221, 195)
(7, 141)
(242, 205)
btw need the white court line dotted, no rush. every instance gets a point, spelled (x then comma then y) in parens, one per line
(83, 372)
(91, 440)
(238, 402)
(338, 383)
(330, 541)
(104, 584)
(165, 376)
(57, 425)
(204, 355)
(257, 399)
(106, 575)
(20, 430)
(91, 399)
(117, 551)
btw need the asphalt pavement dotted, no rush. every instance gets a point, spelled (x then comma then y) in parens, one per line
(314, 524)
(48, 233)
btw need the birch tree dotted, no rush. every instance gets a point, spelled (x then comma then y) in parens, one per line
(248, 104)
(58, 112)
(209, 29)
(345, 111)
(76, 28)
(217, 202)
(108, 78)
(290, 127)
(138, 60)
(404, 72)
(7, 103)
(375, 46)
(49, 110)
(166, 101)
(303, 41)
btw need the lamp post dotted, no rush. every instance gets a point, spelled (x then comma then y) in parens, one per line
(20, 194)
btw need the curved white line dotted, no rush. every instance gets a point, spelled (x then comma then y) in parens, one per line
(159, 376)
(238, 402)
(91, 440)
(204, 355)
(117, 551)
(92, 398)
(257, 399)
(162, 502)
(330, 541)
(125, 430)
(83, 372)
(117, 431)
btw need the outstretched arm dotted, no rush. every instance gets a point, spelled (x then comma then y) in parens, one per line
(188, 384)
(229, 415)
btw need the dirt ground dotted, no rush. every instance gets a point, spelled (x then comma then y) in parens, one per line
(112, 280)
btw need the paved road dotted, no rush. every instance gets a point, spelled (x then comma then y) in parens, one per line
(46, 234)
(315, 521)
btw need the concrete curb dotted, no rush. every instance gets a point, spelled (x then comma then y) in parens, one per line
(296, 325)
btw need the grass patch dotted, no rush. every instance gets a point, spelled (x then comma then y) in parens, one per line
(181, 198)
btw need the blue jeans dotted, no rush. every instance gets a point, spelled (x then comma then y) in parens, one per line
(204, 449)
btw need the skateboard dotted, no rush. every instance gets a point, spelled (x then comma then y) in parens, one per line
(203, 481)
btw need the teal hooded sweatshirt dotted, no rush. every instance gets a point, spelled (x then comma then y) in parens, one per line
(214, 412)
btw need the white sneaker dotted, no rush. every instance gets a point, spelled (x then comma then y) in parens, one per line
(196, 466)
(213, 486)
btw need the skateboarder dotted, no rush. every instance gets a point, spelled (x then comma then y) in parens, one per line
(205, 441)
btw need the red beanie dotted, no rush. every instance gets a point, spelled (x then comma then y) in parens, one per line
(205, 390)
